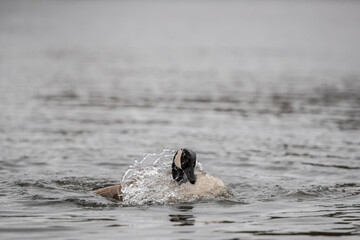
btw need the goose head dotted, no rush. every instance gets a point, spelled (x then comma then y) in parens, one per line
(184, 161)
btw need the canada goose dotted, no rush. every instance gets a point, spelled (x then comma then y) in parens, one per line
(200, 184)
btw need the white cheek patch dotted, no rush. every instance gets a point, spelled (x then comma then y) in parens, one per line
(177, 160)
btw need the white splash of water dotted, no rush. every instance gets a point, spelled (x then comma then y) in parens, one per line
(150, 180)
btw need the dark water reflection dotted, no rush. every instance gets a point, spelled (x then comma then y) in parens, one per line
(266, 92)
(183, 219)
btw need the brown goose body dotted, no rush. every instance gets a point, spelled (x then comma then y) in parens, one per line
(206, 186)
(113, 191)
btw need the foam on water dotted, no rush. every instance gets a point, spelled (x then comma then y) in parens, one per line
(150, 181)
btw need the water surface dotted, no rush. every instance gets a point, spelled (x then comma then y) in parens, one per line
(266, 93)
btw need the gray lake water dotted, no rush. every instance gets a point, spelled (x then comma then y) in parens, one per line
(266, 92)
